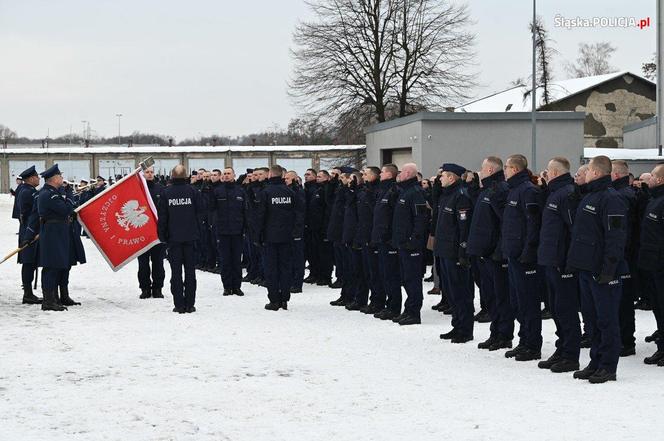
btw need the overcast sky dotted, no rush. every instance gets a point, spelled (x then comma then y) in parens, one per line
(185, 68)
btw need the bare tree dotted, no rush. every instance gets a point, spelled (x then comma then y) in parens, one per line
(435, 51)
(650, 69)
(593, 59)
(6, 132)
(387, 57)
(544, 62)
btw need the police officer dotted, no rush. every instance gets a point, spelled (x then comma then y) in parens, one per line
(292, 181)
(366, 202)
(555, 235)
(451, 233)
(19, 186)
(25, 200)
(342, 256)
(355, 290)
(651, 255)
(484, 242)
(317, 222)
(597, 251)
(381, 238)
(151, 280)
(275, 218)
(180, 210)
(409, 235)
(520, 237)
(59, 246)
(214, 259)
(621, 182)
(310, 243)
(254, 190)
(229, 211)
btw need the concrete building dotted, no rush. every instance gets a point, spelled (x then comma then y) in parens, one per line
(81, 162)
(432, 138)
(641, 135)
(609, 102)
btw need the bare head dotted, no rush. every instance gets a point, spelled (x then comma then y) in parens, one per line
(408, 171)
(322, 176)
(310, 175)
(656, 176)
(619, 169)
(228, 174)
(580, 176)
(515, 164)
(389, 171)
(148, 173)
(557, 166)
(276, 171)
(598, 167)
(371, 174)
(490, 166)
(290, 177)
(179, 172)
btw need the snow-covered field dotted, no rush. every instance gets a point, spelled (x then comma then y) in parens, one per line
(120, 368)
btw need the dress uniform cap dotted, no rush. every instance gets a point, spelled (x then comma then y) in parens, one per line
(454, 168)
(50, 172)
(28, 172)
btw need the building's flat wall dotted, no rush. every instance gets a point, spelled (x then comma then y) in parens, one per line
(468, 141)
(644, 137)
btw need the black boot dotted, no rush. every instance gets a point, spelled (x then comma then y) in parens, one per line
(337, 284)
(49, 303)
(528, 355)
(449, 335)
(553, 359)
(145, 293)
(338, 302)
(486, 344)
(284, 306)
(565, 365)
(654, 358)
(64, 297)
(602, 376)
(310, 279)
(228, 292)
(272, 306)
(627, 351)
(584, 373)
(512, 352)
(156, 293)
(238, 292)
(323, 282)
(29, 298)
(500, 344)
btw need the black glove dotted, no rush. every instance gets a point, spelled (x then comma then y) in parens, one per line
(603, 279)
(464, 262)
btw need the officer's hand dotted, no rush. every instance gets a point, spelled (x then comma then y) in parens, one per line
(464, 262)
(603, 279)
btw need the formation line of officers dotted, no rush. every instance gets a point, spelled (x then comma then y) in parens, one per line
(588, 246)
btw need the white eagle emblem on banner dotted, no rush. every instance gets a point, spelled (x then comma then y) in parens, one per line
(132, 215)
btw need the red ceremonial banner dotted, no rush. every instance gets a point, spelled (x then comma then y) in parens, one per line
(121, 220)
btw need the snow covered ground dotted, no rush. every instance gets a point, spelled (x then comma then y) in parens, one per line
(120, 368)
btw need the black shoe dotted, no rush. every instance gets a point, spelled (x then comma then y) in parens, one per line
(584, 373)
(449, 335)
(410, 320)
(238, 292)
(310, 279)
(429, 279)
(653, 337)
(65, 300)
(273, 306)
(654, 358)
(482, 317)
(460, 339)
(30, 299)
(528, 355)
(447, 310)
(52, 307)
(246, 278)
(500, 344)
(284, 306)
(626, 351)
(294, 290)
(336, 284)
(512, 352)
(602, 376)
(191, 309)
(440, 306)
(179, 310)
(145, 294)
(386, 314)
(565, 365)
(353, 306)
(338, 302)
(365, 309)
(323, 282)
(486, 344)
(156, 293)
(546, 314)
(553, 359)
(228, 292)
(399, 317)
(434, 291)
(586, 341)
(643, 305)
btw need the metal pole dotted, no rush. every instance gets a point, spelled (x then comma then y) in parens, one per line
(119, 115)
(660, 104)
(533, 94)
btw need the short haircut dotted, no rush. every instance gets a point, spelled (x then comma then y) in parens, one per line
(276, 170)
(202, 170)
(391, 169)
(620, 167)
(658, 171)
(374, 170)
(312, 170)
(265, 169)
(179, 172)
(495, 161)
(216, 170)
(602, 164)
(325, 172)
(230, 168)
(518, 161)
(563, 163)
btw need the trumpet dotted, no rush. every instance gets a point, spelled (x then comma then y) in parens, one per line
(80, 190)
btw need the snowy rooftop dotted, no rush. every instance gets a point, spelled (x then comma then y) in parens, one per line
(518, 99)
(630, 154)
(36, 149)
